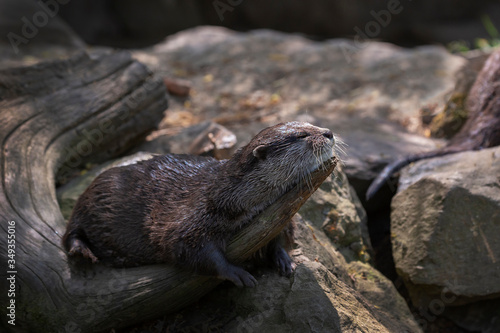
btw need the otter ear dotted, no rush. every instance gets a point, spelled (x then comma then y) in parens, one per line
(260, 152)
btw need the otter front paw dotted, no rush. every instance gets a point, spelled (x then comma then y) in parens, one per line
(283, 262)
(239, 277)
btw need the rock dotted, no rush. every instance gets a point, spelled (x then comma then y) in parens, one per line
(319, 297)
(69, 192)
(449, 120)
(215, 140)
(335, 209)
(312, 244)
(177, 87)
(206, 138)
(445, 222)
(379, 291)
(482, 316)
(370, 94)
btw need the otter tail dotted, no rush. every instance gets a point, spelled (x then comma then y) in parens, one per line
(75, 242)
(397, 165)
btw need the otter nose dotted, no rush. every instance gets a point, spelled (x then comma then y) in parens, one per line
(328, 134)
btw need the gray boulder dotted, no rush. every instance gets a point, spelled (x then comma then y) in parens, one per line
(379, 291)
(336, 210)
(206, 138)
(323, 295)
(445, 227)
(370, 94)
(482, 316)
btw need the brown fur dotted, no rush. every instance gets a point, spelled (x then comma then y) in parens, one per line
(183, 209)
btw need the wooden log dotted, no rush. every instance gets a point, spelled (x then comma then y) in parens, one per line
(55, 117)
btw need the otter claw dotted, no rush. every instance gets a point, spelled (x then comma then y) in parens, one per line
(283, 262)
(284, 267)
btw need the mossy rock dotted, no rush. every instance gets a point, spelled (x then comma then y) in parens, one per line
(450, 121)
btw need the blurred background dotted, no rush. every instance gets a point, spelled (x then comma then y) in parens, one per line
(130, 24)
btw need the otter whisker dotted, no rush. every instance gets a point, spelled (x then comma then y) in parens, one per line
(318, 152)
(340, 146)
(308, 179)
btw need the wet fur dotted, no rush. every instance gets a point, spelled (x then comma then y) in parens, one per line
(182, 209)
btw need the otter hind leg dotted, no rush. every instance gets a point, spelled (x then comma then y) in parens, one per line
(277, 252)
(282, 261)
(75, 245)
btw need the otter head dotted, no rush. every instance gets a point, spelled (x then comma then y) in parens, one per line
(286, 154)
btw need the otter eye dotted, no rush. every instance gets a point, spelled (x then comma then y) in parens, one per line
(301, 135)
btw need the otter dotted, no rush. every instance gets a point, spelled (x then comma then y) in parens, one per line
(183, 209)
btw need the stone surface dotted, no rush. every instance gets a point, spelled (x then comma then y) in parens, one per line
(445, 223)
(369, 94)
(206, 138)
(482, 316)
(335, 209)
(379, 291)
(319, 297)
(447, 122)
